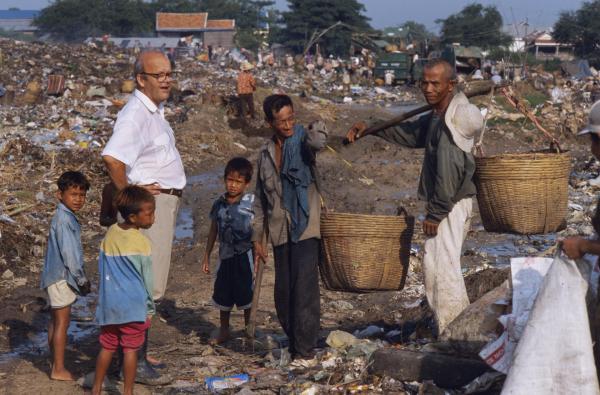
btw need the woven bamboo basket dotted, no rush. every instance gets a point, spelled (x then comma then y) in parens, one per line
(524, 193)
(365, 253)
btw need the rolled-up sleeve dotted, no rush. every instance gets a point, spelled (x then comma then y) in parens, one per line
(316, 136)
(126, 143)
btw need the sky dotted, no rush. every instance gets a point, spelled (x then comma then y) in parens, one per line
(383, 13)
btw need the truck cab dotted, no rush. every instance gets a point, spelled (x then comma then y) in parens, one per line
(400, 63)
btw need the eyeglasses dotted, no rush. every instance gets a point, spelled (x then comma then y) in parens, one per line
(161, 77)
(286, 122)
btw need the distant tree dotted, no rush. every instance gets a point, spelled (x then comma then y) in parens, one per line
(175, 5)
(582, 29)
(413, 30)
(307, 16)
(76, 19)
(475, 25)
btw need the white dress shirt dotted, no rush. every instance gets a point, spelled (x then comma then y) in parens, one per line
(143, 140)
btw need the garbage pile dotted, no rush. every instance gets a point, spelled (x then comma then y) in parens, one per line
(60, 95)
(331, 86)
(58, 106)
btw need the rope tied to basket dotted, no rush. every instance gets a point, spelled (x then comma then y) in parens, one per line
(479, 145)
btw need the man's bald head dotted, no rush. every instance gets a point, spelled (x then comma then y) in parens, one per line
(153, 76)
(142, 60)
(448, 70)
(438, 84)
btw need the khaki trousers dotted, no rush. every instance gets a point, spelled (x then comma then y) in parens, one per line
(161, 237)
(444, 282)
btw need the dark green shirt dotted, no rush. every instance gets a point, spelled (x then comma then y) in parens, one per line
(447, 172)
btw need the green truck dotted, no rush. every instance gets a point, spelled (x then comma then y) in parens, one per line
(400, 63)
(464, 59)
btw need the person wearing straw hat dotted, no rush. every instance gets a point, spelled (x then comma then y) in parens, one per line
(246, 85)
(446, 183)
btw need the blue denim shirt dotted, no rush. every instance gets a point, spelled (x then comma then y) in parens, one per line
(64, 254)
(234, 222)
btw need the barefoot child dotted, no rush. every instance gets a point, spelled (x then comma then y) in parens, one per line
(63, 277)
(125, 302)
(232, 217)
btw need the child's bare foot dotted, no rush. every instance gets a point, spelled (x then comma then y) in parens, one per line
(222, 338)
(61, 375)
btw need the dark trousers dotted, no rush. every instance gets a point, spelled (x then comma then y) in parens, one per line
(246, 100)
(297, 298)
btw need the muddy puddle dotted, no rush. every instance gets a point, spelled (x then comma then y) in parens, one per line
(198, 186)
(184, 229)
(496, 250)
(81, 327)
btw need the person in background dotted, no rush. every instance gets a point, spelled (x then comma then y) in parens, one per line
(246, 86)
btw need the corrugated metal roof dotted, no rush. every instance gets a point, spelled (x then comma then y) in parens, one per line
(145, 42)
(18, 14)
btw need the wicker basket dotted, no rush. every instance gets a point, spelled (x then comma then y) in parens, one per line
(523, 193)
(363, 253)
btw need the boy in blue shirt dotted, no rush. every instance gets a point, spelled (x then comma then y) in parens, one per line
(63, 276)
(232, 217)
(125, 303)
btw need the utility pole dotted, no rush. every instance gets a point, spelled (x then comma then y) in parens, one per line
(526, 25)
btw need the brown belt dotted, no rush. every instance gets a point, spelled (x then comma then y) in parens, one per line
(172, 191)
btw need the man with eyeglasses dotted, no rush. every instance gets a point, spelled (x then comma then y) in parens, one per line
(446, 185)
(142, 151)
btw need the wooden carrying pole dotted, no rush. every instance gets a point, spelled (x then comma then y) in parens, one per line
(476, 91)
(251, 327)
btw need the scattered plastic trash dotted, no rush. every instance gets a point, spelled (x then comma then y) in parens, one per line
(370, 331)
(340, 339)
(227, 382)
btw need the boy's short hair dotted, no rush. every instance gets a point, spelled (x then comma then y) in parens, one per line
(240, 165)
(70, 179)
(129, 200)
(275, 103)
